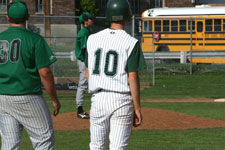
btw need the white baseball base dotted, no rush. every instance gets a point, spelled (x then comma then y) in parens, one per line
(220, 100)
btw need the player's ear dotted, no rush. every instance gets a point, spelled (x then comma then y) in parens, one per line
(28, 17)
(7, 17)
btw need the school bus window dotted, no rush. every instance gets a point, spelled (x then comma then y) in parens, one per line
(150, 26)
(208, 25)
(174, 25)
(157, 25)
(223, 25)
(189, 25)
(217, 25)
(199, 26)
(182, 25)
(145, 26)
(166, 25)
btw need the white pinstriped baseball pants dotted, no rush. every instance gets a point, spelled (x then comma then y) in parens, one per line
(30, 112)
(111, 118)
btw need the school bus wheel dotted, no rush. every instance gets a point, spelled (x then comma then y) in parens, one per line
(162, 48)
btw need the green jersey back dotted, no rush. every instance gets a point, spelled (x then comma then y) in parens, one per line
(81, 43)
(22, 54)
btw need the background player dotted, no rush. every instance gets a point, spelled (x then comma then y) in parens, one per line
(24, 62)
(87, 21)
(113, 60)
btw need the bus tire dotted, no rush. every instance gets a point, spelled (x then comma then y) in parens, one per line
(163, 48)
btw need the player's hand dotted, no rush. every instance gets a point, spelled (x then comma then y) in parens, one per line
(56, 104)
(137, 118)
(86, 74)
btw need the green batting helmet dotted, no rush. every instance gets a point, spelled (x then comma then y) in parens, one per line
(118, 10)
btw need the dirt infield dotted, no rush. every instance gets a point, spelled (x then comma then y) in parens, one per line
(153, 119)
(181, 100)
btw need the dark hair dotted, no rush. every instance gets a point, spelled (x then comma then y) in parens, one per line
(85, 18)
(16, 20)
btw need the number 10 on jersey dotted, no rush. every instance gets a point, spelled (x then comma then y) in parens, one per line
(111, 62)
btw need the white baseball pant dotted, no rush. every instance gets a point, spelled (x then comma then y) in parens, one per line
(30, 112)
(111, 117)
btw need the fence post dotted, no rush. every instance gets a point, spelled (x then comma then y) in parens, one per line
(183, 57)
(72, 56)
(54, 50)
(153, 60)
(47, 24)
(133, 25)
(191, 48)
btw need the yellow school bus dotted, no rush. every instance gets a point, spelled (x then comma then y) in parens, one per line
(174, 28)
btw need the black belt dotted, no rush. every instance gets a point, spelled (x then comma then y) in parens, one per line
(102, 90)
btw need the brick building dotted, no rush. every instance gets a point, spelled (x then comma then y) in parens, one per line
(180, 3)
(36, 7)
(138, 6)
(67, 7)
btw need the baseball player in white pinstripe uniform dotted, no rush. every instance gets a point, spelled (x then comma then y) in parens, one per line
(113, 61)
(24, 62)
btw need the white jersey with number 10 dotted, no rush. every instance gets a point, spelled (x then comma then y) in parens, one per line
(108, 52)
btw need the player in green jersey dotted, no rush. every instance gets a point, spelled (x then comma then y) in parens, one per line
(87, 21)
(24, 65)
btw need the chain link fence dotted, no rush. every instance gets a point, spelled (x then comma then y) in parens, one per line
(63, 30)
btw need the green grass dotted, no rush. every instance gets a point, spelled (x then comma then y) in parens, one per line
(65, 68)
(192, 139)
(209, 110)
(168, 85)
(64, 140)
(68, 102)
(178, 85)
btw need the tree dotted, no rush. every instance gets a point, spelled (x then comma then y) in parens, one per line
(87, 6)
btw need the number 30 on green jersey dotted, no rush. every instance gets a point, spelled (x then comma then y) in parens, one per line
(14, 51)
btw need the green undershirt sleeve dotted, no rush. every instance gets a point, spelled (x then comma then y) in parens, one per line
(136, 61)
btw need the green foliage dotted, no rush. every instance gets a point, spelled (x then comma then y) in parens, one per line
(87, 6)
(78, 9)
